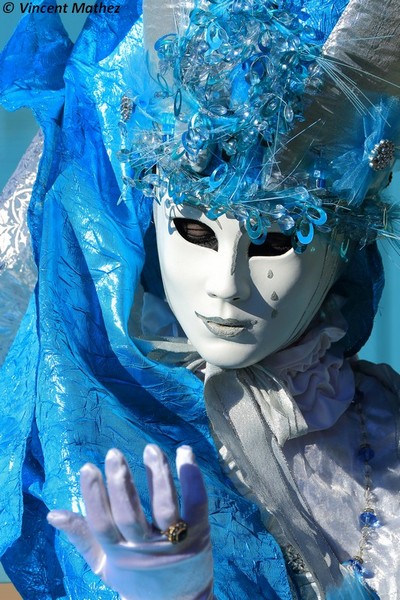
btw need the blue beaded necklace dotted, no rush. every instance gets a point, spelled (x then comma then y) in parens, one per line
(367, 519)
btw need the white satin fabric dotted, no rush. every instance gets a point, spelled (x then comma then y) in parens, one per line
(327, 471)
(330, 477)
(17, 268)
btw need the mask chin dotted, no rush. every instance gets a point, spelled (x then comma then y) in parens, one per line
(237, 307)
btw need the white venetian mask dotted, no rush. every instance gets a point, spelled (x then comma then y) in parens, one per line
(236, 301)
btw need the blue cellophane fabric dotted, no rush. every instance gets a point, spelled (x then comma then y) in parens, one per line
(74, 384)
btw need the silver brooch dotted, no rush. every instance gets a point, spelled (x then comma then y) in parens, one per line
(382, 155)
(126, 108)
(294, 560)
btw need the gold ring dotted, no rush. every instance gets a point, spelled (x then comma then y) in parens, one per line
(177, 532)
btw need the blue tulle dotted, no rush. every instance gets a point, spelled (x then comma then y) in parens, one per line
(74, 383)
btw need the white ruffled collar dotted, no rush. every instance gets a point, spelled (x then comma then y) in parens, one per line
(318, 378)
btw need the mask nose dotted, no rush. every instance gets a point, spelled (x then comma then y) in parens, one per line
(229, 279)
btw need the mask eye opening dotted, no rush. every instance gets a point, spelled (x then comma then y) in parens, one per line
(196, 232)
(276, 244)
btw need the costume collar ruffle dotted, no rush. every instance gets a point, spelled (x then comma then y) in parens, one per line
(316, 375)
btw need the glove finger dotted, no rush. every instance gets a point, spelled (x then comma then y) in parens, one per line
(163, 496)
(79, 534)
(194, 495)
(125, 503)
(98, 510)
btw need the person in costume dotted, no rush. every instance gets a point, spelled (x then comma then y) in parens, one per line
(265, 135)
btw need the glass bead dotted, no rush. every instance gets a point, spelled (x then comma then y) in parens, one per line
(327, 229)
(217, 109)
(230, 146)
(270, 107)
(178, 152)
(309, 34)
(252, 77)
(124, 155)
(213, 36)
(369, 519)
(301, 194)
(367, 470)
(370, 498)
(200, 17)
(278, 211)
(355, 564)
(372, 534)
(128, 181)
(368, 480)
(241, 214)
(286, 224)
(253, 188)
(320, 183)
(365, 453)
(264, 41)
(288, 113)
(237, 6)
(297, 247)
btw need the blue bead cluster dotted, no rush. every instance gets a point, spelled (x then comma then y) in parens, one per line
(228, 92)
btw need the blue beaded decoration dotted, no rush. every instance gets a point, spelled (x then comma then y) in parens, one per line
(367, 519)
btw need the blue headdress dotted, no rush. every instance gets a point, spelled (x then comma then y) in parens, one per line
(268, 111)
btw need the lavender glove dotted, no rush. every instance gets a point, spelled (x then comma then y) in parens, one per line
(129, 554)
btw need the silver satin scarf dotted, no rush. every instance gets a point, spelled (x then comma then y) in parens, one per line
(252, 415)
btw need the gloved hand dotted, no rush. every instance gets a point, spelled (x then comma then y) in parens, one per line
(131, 555)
